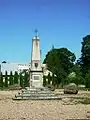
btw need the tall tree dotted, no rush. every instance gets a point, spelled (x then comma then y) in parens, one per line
(21, 81)
(44, 81)
(1, 80)
(26, 79)
(6, 79)
(16, 77)
(60, 62)
(85, 56)
(49, 78)
(53, 80)
(11, 80)
(87, 79)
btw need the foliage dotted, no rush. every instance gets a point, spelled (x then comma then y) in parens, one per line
(87, 79)
(84, 101)
(53, 80)
(21, 81)
(44, 81)
(1, 81)
(76, 76)
(26, 79)
(84, 60)
(11, 81)
(60, 62)
(16, 77)
(49, 78)
(4, 62)
(6, 79)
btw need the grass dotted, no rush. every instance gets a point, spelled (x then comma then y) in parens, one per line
(85, 89)
(82, 100)
(85, 101)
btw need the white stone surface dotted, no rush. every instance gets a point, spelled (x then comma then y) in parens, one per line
(35, 49)
(36, 73)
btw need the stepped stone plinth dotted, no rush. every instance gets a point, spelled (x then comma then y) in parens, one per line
(36, 94)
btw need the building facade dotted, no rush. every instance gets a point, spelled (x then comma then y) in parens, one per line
(13, 67)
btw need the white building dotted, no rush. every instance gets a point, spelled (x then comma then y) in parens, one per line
(13, 67)
(20, 67)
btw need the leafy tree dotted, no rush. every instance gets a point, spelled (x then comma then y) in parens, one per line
(87, 79)
(1, 80)
(16, 77)
(60, 62)
(49, 78)
(78, 77)
(6, 79)
(44, 81)
(53, 80)
(21, 81)
(11, 80)
(26, 79)
(84, 61)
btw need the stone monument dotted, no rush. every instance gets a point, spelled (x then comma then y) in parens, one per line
(36, 91)
(36, 73)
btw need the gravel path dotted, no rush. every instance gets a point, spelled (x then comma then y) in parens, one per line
(39, 110)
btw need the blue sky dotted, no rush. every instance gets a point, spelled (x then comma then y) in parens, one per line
(62, 23)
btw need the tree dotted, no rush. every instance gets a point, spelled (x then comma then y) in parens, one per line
(11, 81)
(53, 80)
(75, 78)
(44, 81)
(1, 80)
(49, 78)
(21, 81)
(6, 79)
(87, 79)
(78, 77)
(60, 62)
(26, 79)
(16, 77)
(84, 60)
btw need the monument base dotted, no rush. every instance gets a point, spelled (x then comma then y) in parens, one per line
(36, 94)
(36, 79)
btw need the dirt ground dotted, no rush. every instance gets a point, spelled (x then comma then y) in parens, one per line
(41, 110)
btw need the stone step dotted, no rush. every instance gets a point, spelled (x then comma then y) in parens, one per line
(36, 90)
(35, 95)
(40, 92)
(37, 98)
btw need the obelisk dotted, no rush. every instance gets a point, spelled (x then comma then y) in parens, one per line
(36, 73)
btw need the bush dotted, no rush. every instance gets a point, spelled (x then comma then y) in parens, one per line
(44, 81)
(51, 87)
(85, 101)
